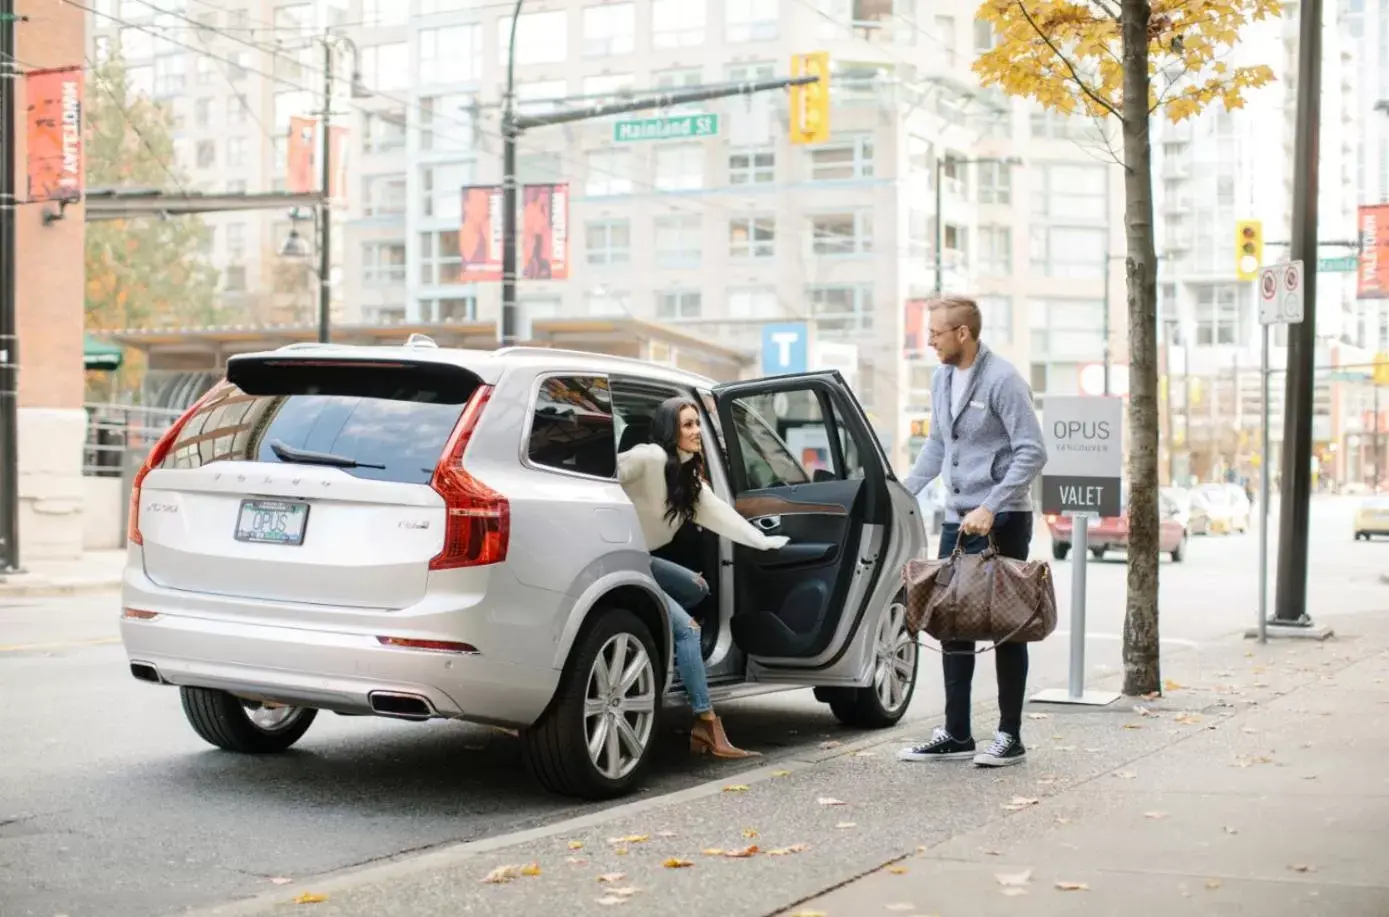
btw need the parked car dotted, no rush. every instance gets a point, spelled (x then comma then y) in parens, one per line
(418, 533)
(1110, 532)
(1371, 518)
(1212, 513)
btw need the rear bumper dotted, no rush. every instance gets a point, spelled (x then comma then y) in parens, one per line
(326, 669)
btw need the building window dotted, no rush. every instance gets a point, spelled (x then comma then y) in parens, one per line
(609, 29)
(441, 189)
(752, 167)
(752, 303)
(842, 307)
(237, 109)
(609, 173)
(608, 84)
(678, 242)
(608, 241)
(441, 259)
(541, 38)
(202, 112)
(207, 154)
(451, 54)
(751, 20)
(1217, 316)
(385, 13)
(995, 183)
(678, 304)
(452, 309)
(844, 160)
(996, 313)
(383, 133)
(751, 73)
(995, 251)
(1068, 251)
(384, 195)
(677, 23)
(236, 152)
(170, 75)
(1066, 330)
(236, 241)
(234, 277)
(538, 97)
(383, 263)
(752, 237)
(984, 38)
(446, 123)
(572, 427)
(1070, 193)
(842, 233)
(386, 67)
(680, 166)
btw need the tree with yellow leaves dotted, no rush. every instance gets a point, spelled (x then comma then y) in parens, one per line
(1124, 61)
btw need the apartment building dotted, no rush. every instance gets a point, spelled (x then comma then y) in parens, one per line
(1213, 171)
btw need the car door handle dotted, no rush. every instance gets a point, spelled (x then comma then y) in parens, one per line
(767, 523)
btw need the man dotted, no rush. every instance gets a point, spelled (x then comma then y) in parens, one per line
(986, 442)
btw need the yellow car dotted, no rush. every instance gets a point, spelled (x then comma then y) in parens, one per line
(1372, 518)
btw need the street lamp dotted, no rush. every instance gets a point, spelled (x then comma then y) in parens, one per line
(1009, 161)
(332, 44)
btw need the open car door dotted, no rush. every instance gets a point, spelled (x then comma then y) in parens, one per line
(804, 462)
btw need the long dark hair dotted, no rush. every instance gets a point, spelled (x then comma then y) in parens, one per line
(683, 479)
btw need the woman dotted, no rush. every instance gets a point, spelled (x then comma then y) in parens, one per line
(666, 482)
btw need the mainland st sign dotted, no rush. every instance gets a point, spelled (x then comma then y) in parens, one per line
(679, 127)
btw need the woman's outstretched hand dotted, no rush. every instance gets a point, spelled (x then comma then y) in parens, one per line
(777, 542)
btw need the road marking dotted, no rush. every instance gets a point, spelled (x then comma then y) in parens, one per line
(37, 647)
(1175, 641)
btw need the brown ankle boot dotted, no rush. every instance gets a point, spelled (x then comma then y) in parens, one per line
(708, 736)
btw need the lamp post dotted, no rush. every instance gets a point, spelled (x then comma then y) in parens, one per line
(1009, 161)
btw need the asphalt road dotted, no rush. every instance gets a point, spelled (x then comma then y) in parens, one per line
(110, 805)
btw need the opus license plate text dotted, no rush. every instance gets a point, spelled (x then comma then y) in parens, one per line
(272, 522)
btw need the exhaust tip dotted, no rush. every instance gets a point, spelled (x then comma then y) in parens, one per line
(400, 706)
(143, 671)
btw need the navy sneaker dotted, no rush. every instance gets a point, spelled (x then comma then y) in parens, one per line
(942, 747)
(1006, 750)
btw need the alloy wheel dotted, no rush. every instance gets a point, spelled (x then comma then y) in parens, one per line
(619, 706)
(895, 665)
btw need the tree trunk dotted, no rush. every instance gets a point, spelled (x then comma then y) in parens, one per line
(1142, 674)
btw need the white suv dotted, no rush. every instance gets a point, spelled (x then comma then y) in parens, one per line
(415, 532)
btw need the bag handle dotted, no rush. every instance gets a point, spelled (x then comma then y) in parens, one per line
(959, 550)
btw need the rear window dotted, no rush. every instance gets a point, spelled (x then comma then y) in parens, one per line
(395, 415)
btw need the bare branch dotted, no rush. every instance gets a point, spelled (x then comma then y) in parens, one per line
(1094, 97)
(1108, 10)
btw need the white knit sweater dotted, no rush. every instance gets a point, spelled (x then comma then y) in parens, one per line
(641, 471)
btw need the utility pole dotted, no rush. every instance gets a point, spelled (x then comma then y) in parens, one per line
(9, 341)
(1290, 599)
(513, 125)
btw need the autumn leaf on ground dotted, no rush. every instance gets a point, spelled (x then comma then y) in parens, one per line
(677, 863)
(1015, 879)
(830, 801)
(713, 851)
(620, 851)
(310, 898)
(608, 878)
(781, 773)
(281, 880)
(809, 914)
(630, 839)
(1187, 719)
(576, 845)
(751, 850)
(1212, 884)
(736, 788)
(502, 874)
(749, 833)
(847, 824)
(1072, 886)
(531, 869)
(1170, 685)
(1019, 802)
(1133, 725)
(897, 870)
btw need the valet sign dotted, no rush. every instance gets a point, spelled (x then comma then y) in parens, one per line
(1085, 461)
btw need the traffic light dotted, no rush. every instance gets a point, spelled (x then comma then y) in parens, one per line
(921, 427)
(810, 103)
(1249, 249)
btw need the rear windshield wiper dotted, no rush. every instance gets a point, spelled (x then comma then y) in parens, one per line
(288, 453)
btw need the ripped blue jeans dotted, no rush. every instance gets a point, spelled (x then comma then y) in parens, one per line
(684, 589)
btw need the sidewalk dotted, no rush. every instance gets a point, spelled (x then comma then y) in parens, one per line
(1256, 785)
(95, 571)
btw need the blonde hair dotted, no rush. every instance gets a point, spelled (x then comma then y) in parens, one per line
(960, 310)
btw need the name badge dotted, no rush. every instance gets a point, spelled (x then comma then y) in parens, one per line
(979, 405)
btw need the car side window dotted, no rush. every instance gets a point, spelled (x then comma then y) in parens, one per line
(572, 426)
(777, 449)
(853, 462)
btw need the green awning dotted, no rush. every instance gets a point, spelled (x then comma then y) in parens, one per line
(101, 355)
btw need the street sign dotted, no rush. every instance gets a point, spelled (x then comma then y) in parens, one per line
(785, 348)
(679, 127)
(1281, 288)
(1347, 265)
(1084, 455)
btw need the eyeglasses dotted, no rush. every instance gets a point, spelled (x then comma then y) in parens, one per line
(932, 333)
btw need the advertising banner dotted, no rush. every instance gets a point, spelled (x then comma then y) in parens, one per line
(55, 161)
(480, 233)
(337, 142)
(544, 246)
(1372, 274)
(916, 329)
(299, 159)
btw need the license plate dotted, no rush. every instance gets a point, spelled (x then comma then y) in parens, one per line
(272, 522)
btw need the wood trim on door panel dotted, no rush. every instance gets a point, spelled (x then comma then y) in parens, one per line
(752, 507)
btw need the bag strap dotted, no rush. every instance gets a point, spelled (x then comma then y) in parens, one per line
(1017, 630)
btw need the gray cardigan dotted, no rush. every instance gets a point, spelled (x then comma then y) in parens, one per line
(994, 447)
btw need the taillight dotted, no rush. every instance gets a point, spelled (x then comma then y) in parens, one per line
(157, 456)
(477, 519)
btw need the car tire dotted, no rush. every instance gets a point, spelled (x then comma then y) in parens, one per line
(897, 655)
(1060, 550)
(556, 748)
(1179, 552)
(1098, 553)
(223, 720)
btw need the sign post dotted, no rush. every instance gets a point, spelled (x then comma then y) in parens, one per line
(1280, 303)
(1085, 465)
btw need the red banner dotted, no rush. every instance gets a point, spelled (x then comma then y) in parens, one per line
(544, 250)
(55, 156)
(480, 233)
(299, 158)
(1373, 272)
(337, 140)
(916, 329)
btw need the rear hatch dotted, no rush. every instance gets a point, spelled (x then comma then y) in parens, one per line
(307, 480)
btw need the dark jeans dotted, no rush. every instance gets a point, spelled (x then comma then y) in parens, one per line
(1013, 537)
